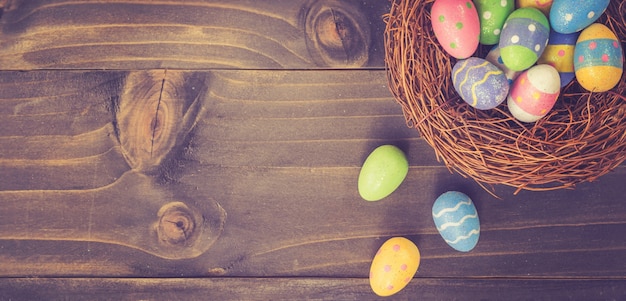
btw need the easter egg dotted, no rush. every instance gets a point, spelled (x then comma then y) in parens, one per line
(534, 93)
(567, 16)
(542, 5)
(560, 54)
(492, 15)
(598, 58)
(456, 26)
(479, 83)
(456, 219)
(393, 266)
(382, 172)
(524, 37)
(495, 58)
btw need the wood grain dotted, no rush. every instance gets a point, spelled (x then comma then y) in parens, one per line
(307, 288)
(240, 34)
(279, 152)
(133, 212)
(209, 149)
(84, 178)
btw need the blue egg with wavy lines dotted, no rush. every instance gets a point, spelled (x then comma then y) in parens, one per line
(480, 83)
(456, 219)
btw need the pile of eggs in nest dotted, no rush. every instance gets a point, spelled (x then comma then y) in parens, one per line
(539, 46)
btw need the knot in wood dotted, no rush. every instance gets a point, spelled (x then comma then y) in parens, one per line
(337, 34)
(176, 224)
(150, 116)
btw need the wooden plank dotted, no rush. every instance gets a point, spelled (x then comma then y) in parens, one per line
(308, 288)
(266, 162)
(192, 34)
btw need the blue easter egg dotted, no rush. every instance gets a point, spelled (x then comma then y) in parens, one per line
(457, 220)
(479, 83)
(569, 17)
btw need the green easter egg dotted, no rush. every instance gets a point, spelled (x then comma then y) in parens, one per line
(523, 39)
(518, 58)
(492, 16)
(382, 172)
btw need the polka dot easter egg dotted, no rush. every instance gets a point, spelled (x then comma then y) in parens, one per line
(567, 16)
(560, 54)
(382, 172)
(456, 219)
(479, 83)
(495, 58)
(393, 266)
(534, 93)
(524, 37)
(456, 26)
(598, 58)
(492, 16)
(542, 5)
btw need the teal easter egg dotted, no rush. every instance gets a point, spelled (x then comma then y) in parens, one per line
(456, 219)
(524, 37)
(479, 83)
(492, 15)
(382, 172)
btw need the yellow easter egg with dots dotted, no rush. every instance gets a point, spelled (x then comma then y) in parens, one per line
(393, 266)
(598, 58)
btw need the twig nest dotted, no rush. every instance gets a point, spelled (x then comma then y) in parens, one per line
(580, 139)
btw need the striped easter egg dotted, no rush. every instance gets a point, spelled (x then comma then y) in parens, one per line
(524, 37)
(598, 58)
(456, 219)
(534, 93)
(560, 54)
(480, 83)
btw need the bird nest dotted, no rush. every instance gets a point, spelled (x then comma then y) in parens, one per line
(582, 138)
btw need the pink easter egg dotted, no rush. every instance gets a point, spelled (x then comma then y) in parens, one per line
(456, 26)
(534, 93)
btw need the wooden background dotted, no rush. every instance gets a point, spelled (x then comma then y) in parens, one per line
(210, 150)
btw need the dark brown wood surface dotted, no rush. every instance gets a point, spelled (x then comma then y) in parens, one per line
(191, 34)
(217, 173)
